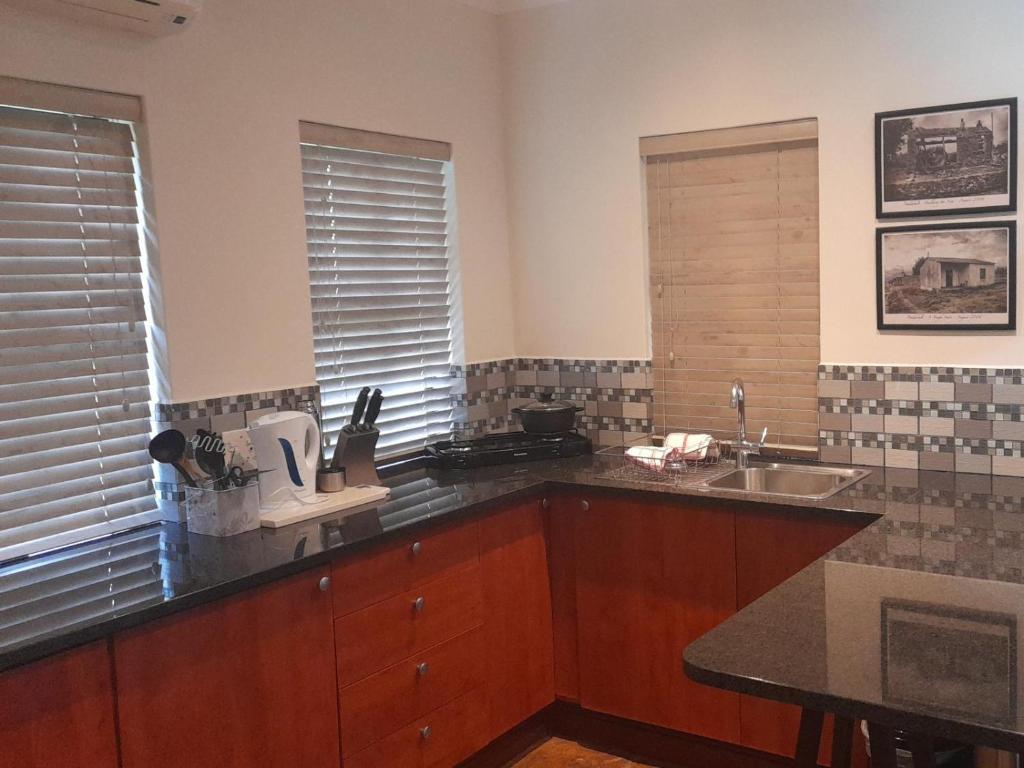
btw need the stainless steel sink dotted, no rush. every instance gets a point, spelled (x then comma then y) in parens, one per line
(787, 480)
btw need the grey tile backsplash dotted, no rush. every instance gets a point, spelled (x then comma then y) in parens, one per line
(935, 418)
(616, 395)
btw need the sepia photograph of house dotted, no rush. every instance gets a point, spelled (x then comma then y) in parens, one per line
(947, 276)
(946, 159)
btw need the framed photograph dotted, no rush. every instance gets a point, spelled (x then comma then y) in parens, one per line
(947, 277)
(941, 161)
(956, 661)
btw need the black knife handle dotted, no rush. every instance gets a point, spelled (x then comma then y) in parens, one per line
(357, 412)
(374, 409)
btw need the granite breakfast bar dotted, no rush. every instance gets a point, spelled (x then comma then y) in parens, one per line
(911, 624)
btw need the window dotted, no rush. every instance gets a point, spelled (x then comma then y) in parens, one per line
(377, 241)
(982, 273)
(733, 240)
(74, 370)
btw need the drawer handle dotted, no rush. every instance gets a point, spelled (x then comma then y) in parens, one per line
(425, 732)
(325, 584)
(416, 548)
(585, 505)
(422, 668)
(419, 604)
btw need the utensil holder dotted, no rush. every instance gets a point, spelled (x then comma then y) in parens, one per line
(355, 453)
(214, 512)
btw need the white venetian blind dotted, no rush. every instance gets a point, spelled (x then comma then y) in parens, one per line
(377, 238)
(733, 237)
(74, 384)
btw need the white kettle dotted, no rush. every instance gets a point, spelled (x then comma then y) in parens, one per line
(287, 442)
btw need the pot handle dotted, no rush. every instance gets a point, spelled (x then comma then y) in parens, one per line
(516, 410)
(578, 408)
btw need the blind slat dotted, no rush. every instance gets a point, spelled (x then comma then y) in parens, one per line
(734, 285)
(74, 381)
(376, 229)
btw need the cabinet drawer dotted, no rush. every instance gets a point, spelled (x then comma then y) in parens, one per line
(441, 739)
(383, 634)
(397, 567)
(382, 703)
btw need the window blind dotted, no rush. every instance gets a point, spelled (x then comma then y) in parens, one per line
(377, 237)
(733, 238)
(74, 382)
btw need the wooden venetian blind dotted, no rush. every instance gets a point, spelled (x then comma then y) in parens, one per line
(377, 241)
(733, 235)
(74, 381)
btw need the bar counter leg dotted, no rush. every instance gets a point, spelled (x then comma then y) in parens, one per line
(842, 742)
(809, 738)
(883, 746)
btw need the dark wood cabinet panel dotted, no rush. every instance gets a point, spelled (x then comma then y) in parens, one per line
(59, 712)
(651, 578)
(517, 615)
(398, 566)
(384, 634)
(771, 547)
(561, 525)
(246, 681)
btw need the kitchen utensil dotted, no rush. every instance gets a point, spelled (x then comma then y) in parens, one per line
(209, 451)
(357, 410)
(240, 477)
(287, 442)
(548, 416)
(373, 410)
(330, 480)
(168, 447)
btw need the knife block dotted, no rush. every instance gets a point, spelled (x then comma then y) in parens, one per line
(354, 453)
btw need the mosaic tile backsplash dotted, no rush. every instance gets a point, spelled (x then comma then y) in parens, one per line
(616, 395)
(931, 418)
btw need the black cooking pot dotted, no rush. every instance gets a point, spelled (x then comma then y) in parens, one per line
(546, 416)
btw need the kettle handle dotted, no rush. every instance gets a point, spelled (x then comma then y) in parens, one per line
(313, 441)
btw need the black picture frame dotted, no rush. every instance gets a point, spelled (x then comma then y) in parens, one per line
(949, 324)
(924, 647)
(948, 204)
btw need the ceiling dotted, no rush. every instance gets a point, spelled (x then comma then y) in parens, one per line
(508, 6)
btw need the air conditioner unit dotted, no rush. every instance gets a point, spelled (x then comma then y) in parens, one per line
(149, 17)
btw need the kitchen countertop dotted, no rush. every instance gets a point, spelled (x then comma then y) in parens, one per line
(931, 537)
(913, 622)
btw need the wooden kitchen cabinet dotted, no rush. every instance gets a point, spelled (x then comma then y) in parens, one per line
(59, 712)
(517, 615)
(651, 578)
(561, 526)
(770, 547)
(246, 681)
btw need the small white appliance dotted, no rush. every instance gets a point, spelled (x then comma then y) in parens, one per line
(288, 444)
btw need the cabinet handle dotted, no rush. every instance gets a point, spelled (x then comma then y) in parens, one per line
(416, 548)
(425, 732)
(325, 583)
(422, 668)
(545, 504)
(419, 604)
(585, 505)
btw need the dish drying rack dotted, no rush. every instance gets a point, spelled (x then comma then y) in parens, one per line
(677, 472)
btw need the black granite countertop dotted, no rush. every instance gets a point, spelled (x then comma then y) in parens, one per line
(921, 526)
(913, 623)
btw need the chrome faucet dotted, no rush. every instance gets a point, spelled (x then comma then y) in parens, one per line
(743, 447)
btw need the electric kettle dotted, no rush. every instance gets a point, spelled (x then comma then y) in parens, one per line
(287, 442)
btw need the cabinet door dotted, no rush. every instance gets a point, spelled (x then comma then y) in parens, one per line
(561, 525)
(651, 578)
(517, 615)
(59, 712)
(771, 547)
(245, 681)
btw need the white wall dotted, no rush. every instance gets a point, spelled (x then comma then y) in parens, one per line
(583, 80)
(223, 101)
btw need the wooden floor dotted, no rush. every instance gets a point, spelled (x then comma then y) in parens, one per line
(560, 753)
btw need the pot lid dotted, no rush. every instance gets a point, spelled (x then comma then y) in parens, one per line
(545, 404)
